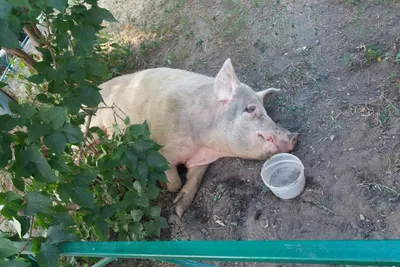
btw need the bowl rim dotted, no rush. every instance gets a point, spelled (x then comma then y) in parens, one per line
(295, 161)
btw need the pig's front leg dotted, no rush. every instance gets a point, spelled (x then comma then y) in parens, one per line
(174, 181)
(189, 190)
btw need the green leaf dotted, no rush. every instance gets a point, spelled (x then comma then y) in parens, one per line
(383, 118)
(36, 78)
(132, 158)
(43, 98)
(143, 201)
(96, 15)
(64, 191)
(38, 130)
(40, 167)
(10, 197)
(34, 13)
(43, 172)
(136, 230)
(36, 242)
(101, 229)
(83, 32)
(137, 215)
(62, 40)
(152, 191)
(45, 53)
(21, 3)
(127, 121)
(398, 56)
(142, 170)
(7, 248)
(84, 178)
(155, 212)
(24, 110)
(19, 262)
(74, 63)
(24, 223)
(7, 38)
(157, 176)
(58, 74)
(95, 67)
(79, 76)
(56, 142)
(142, 146)
(63, 218)
(56, 115)
(107, 211)
(17, 227)
(90, 96)
(5, 149)
(82, 197)
(73, 134)
(61, 25)
(160, 223)
(19, 183)
(149, 227)
(56, 234)
(59, 164)
(7, 123)
(138, 187)
(14, 23)
(156, 160)
(35, 202)
(48, 255)
(58, 4)
(5, 9)
(43, 67)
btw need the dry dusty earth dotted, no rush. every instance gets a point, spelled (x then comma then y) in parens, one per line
(336, 62)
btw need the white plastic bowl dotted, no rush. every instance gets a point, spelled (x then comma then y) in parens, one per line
(283, 174)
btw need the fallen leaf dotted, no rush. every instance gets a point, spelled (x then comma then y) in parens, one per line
(332, 137)
(362, 217)
(379, 59)
(128, 27)
(363, 110)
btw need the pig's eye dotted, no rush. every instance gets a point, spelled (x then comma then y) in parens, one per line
(250, 108)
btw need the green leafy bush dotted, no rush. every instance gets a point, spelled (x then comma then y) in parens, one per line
(76, 185)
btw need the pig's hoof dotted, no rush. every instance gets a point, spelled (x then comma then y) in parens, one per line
(182, 201)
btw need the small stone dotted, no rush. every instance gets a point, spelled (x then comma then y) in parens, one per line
(332, 137)
(220, 222)
(362, 217)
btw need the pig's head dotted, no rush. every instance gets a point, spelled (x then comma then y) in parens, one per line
(245, 127)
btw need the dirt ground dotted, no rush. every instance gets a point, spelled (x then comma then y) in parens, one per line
(336, 62)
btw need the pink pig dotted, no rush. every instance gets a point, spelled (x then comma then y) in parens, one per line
(198, 119)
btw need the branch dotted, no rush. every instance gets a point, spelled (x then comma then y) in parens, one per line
(25, 57)
(34, 34)
(85, 136)
(30, 235)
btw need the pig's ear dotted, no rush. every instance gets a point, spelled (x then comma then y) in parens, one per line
(226, 82)
(263, 95)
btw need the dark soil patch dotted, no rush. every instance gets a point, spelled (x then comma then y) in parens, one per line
(342, 98)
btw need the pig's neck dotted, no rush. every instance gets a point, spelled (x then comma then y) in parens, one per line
(204, 156)
(209, 150)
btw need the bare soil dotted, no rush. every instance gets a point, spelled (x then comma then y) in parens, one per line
(335, 60)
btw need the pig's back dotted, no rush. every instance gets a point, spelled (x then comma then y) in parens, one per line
(157, 95)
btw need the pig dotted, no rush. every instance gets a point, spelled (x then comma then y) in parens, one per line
(197, 119)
